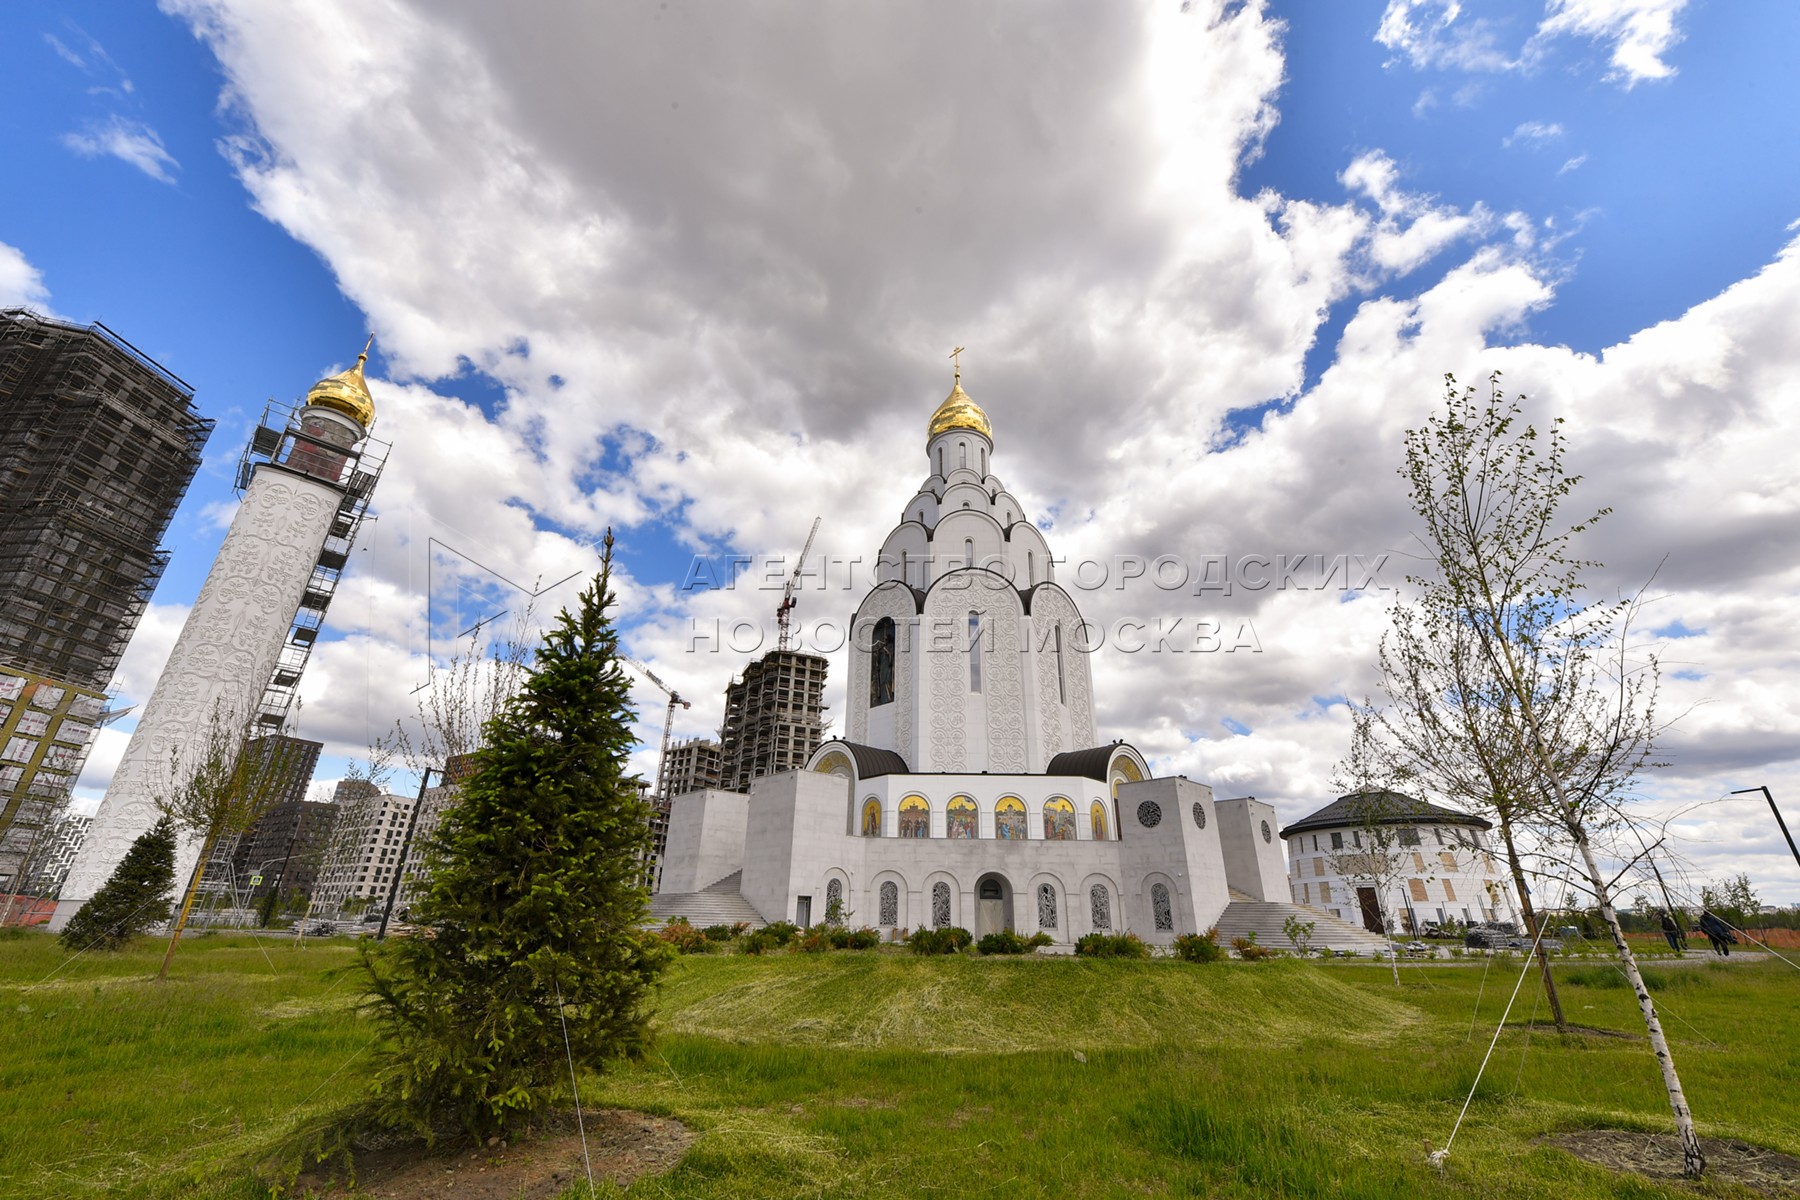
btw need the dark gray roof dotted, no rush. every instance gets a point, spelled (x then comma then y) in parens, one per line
(1091, 762)
(872, 760)
(1389, 808)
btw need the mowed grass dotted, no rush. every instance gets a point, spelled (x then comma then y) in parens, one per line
(880, 1074)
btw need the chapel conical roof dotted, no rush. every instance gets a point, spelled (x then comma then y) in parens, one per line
(346, 392)
(959, 412)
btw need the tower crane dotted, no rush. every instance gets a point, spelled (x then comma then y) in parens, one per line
(662, 759)
(787, 593)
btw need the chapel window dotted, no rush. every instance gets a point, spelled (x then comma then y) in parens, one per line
(1059, 820)
(940, 460)
(1160, 909)
(961, 817)
(881, 663)
(915, 817)
(1097, 819)
(1030, 565)
(871, 818)
(940, 905)
(890, 903)
(975, 652)
(834, 901)
(1009, 819)
(1046, 906)
(968, 552)
(964, 460)
(1099, 907)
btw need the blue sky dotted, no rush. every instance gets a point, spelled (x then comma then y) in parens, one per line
(688, 276)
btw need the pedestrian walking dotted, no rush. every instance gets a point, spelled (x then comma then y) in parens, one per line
(1672, 931)
(1718, 933)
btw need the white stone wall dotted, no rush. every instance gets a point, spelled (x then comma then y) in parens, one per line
(706, 839)
(220, 664)
(802, 835)
(1254, 863)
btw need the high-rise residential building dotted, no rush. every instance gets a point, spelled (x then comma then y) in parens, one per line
(692, 765)
(774, 718)
(60, 845)
(97, 447)
(284, 773)
(365, 848)
(306, 479)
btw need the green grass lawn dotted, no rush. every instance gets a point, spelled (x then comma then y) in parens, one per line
(881, 1074)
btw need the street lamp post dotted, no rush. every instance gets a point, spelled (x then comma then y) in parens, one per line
(1769, 796)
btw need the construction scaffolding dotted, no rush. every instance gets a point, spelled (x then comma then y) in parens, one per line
(774, 717)
(97, 447)
(280, 440)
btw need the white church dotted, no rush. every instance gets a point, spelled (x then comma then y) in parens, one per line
(971, 787)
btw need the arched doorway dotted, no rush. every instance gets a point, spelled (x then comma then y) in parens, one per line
(993, 905)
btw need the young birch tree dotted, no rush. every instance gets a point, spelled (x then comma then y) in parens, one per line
(220, 786)
(1449, 726)
(1553, 665)
(1374, 859)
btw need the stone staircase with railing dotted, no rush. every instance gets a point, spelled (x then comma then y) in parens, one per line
(717, 903)
(1265, 918)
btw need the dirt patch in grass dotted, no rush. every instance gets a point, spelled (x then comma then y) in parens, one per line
(1658, 1156)
(621, 1145)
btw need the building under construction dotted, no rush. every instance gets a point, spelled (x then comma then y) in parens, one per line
(97, 447)
(692, 765)
(774, 717)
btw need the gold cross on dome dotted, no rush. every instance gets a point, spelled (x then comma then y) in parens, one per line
(958, 361)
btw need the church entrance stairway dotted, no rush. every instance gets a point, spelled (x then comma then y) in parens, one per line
(1265, 918)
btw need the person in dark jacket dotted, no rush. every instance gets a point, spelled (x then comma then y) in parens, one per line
(1718, 933)
(1672, 931)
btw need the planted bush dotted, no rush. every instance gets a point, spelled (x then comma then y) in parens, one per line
(1112, 945)
(684, 937)
(1003, 941)
(1199, 947)
(854, 939)
(951, 939)
(720, 933)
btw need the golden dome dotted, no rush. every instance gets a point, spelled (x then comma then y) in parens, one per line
(346, 392)
(959, 412)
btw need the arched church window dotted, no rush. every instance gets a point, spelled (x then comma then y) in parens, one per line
(984, 460)
(890, 903)
(1099, 907)
(991, 890)
(834, 902)
(961, 817)
(1062, 691)
(964, 447)
(1009, 819)
(881, 663)
(903, 571)
(940, 905)
(871, 818)
(1160, 910)
(968, 551)
(1059, 820)
(1097, 820)
(940, 460)
(1046, 901)
(915, 817)
(1030, 564)
(974, 652)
